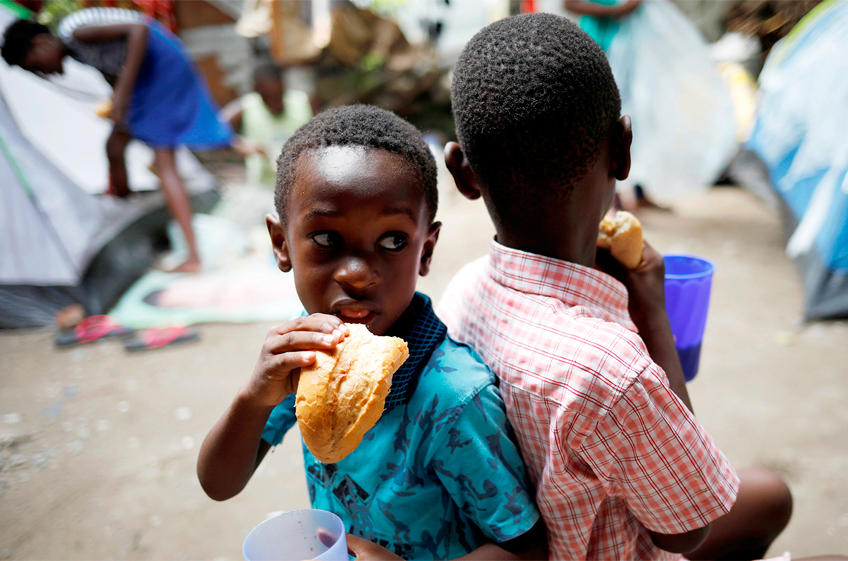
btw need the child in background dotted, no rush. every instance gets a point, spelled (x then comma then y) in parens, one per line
(159, 97)
(265, 118)
(439, 476)
(599, 18)
(586, 360)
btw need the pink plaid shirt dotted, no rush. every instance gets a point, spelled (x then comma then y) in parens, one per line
(611, 450)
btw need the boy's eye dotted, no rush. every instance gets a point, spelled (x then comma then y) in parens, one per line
(393, 242)
(326, 240)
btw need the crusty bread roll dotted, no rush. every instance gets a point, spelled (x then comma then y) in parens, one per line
(622, 236)
(341, 396)
(104, 109)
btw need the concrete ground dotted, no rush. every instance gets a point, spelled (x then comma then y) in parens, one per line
(98, 447)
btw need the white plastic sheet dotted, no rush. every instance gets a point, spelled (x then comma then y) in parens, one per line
(684, 130)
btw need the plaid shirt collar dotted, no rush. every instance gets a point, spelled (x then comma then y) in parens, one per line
(422, 337)
(573, 284)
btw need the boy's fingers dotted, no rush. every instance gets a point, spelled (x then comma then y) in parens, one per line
(302, 340)
(286, 362)
(605, 262)
(364, 550)
(323, 323)
(652, 257)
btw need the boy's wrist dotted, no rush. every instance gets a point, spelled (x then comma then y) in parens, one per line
(248, 399)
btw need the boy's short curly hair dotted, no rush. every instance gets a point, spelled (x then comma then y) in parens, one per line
(534, 99)
(17, 40)
(358, 125)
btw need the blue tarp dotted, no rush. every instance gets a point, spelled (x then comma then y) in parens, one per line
(800, 136)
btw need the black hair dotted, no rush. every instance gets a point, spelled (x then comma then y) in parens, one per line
(267, 69)
(534, 99)
(17, 40)
(358, 125)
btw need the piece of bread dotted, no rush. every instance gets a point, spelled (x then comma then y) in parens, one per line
(104, 109)
(622, 236)
(341, 396)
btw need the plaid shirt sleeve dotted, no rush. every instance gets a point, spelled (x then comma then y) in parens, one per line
(651, 452)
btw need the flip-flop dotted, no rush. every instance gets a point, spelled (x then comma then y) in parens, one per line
(92, 328)
(158, 337)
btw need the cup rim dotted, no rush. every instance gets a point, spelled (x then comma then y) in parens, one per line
(677, 276)
(297, 511)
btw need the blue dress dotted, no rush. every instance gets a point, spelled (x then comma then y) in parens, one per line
(171, 105)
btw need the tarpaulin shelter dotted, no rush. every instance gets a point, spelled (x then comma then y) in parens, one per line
(800, 138)
(61, 240)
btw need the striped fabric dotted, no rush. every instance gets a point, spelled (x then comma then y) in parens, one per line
(107, 56)
(611, 450)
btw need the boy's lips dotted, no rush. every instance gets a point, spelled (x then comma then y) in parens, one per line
(354, 312)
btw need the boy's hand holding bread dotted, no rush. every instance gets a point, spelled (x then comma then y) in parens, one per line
(341, 373)
(645, 283)
(621, 234)
(623, 254)
(287, 349)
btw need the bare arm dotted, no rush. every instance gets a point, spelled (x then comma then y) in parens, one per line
(584, 8)
(136, 35)
(646, 288)
(232, 113)
(234, 447)
(680, 543)
(530, 545)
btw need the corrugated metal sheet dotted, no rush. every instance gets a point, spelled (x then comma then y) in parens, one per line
(233, 52)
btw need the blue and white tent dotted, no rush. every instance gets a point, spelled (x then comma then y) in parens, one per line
(61, 240)
(800, 136)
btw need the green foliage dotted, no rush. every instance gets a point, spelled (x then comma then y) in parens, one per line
(54, 11)
(385, 8)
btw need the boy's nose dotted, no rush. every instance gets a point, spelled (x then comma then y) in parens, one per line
(356, 273)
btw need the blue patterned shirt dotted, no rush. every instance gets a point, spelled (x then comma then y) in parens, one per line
(440, 474)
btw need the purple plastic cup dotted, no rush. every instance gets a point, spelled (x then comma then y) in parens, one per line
(688, 281)
(295, 535)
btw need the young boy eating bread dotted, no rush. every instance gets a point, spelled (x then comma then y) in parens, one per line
(586, 360)
(439, 475)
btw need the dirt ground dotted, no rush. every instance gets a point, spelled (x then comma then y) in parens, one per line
(98, 447)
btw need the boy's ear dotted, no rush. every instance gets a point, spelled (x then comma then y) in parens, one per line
(427, 250)
(622, 138)
(278, 241)
(464, 177)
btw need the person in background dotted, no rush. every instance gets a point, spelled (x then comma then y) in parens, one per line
(159, 96)
(599, 18)
(265, 118)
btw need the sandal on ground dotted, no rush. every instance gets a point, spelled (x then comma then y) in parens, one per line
(158, 337)
(90, 329)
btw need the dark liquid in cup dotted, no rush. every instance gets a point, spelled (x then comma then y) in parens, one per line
(689, 359)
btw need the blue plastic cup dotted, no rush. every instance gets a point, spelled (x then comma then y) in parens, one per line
(688, 281)
(295, 535)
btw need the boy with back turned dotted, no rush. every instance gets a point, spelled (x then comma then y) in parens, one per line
(585, 359)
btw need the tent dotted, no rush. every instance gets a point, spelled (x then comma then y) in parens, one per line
(800, 139)
(61, 239)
